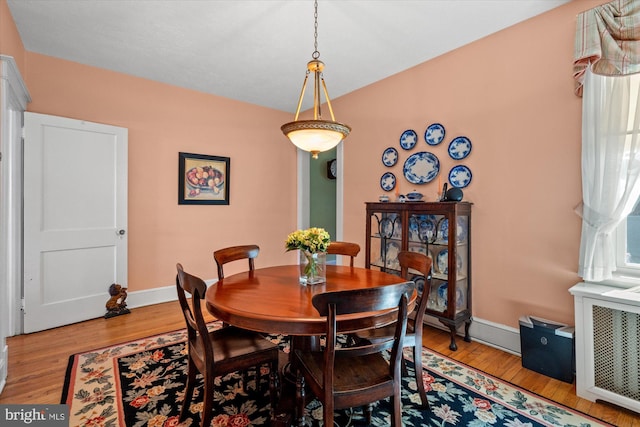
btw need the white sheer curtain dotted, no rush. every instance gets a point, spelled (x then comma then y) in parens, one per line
(610, 167)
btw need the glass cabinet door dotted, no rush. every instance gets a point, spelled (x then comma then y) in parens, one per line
(450, 254)
(385, 241)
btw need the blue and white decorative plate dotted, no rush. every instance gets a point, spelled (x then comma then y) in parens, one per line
(388, 181)
(422, 228)
(419, 281)
(461, 234)
(421, 167)
(427, 230)
(442, 296)
(434, 134)
(390, 157)
(461, 231)
(391, 255)
(460, 176)
(386, 228)
(443, 230)
(459, 148)
(442, 261)
(418, 248)
(408, 139)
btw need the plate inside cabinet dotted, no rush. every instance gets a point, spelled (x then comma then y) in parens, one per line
(385, 228)
(461, 233)
(442, 261)
(461, 230)
(388, 181)
(442, 296)
(390, 157)
(391, 255)
(443, 230)
(408, 139)
(460, 176)
(419, 281)
(459, 148)
(434, 134)
(422, 228)
(421, 167)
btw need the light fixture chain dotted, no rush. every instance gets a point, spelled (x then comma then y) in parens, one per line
(315, 54)
(315, 135)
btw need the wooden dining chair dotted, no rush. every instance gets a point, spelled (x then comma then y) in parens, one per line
(421, 264)
(219, 352)
(344, 248)
(235, 253)
(352, 376)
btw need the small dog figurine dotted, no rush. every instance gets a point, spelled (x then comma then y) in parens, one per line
(116, 305)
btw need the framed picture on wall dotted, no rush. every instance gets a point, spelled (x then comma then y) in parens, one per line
(203, 180)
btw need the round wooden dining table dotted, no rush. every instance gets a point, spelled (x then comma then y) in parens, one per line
(271, 300)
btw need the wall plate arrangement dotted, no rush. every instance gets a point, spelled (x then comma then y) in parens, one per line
(423, 167)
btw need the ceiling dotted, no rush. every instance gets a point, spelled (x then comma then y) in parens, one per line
(256, 51)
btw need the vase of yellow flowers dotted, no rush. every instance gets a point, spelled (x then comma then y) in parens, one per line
(312, 244)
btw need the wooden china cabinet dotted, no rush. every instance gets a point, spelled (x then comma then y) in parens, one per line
(442, 230)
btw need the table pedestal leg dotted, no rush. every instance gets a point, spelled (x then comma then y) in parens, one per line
(286, 408)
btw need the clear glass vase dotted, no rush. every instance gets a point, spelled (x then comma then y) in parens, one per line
(313, 267)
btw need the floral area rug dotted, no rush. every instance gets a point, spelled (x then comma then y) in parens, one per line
(140, 383)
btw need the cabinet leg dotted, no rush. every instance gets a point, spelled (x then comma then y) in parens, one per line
(467, 325)
(453, 346)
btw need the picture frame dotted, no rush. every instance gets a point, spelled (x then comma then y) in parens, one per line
(203, 179)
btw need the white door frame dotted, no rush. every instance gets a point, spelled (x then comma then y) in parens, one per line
(304, 190)
(15, 97)
(13, 102)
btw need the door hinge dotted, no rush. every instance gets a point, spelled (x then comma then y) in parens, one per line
(22, 306)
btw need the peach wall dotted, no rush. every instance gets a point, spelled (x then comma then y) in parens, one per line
(163, 120)
(512, 94)
(516, 105)
(10, 41)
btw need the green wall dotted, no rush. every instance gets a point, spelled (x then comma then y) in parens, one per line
(323, 194)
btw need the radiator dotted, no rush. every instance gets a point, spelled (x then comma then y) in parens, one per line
(608, 344)
(616, 362)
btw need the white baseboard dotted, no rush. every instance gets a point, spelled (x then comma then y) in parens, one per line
(151, 296)
(156, 295)
(492, 334)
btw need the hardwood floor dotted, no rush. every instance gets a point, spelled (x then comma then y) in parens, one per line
(37, 362)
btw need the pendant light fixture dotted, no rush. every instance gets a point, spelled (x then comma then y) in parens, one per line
(315, 135)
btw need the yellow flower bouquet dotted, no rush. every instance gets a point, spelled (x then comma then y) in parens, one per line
(312, 243)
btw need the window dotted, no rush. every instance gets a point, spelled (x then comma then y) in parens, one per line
(628, 233)
(628, 246)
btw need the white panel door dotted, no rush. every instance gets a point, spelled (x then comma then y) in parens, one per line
(75, 219)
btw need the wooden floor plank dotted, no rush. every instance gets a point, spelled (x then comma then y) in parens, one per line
(38, 361)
